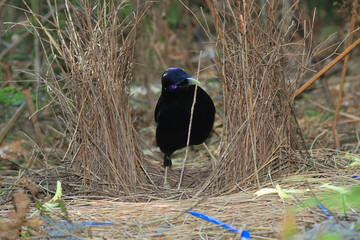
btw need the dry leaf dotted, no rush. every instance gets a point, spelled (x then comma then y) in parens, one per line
(29, 185)
(11, 151)
(11, 229)
(34, 222)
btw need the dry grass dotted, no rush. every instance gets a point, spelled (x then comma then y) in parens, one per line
(95, 55)
(258, 64)
(263, 216)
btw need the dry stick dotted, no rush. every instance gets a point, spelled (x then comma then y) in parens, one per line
(133, 156)
(253, 134)
(15, 75)
(165, 31)
(156, 49)
(211, 156)
(330, 65)
(358, 142)
(2, 5)
(35, 8)
(13, 119)
(22, 37)
(324, 82)
(267, 162)
(352, 121)
(343, 73)
(33, 117)
(189, 130)
(356, 118)
(213, 15)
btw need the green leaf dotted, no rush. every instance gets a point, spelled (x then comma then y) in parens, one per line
(311, 113)
(325, 116)
(10, 95)
(330, 236)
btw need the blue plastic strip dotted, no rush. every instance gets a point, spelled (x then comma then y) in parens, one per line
(160, 232)
(325, 211)
(93, 223)
(96, 223)
(214, 220)
(245, 235)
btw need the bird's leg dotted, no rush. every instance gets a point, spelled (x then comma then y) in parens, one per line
(166, 185)
(167, 164)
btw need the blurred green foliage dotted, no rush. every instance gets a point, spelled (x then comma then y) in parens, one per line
(340, 198)
(11, 95)
(330, 15)
(174, 15)
(330, 236)
(311, 113)
(325, 8)
(325, 116)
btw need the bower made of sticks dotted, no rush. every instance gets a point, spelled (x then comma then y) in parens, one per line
(253, 60)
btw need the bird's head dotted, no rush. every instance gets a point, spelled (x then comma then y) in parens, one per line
(176, 79)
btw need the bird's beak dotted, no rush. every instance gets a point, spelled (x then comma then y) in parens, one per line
(192, 81)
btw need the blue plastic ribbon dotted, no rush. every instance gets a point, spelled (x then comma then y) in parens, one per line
(214, 220)
(244, 235)
(325, 211)
(93, 223)
(96, 223)
(160, 232)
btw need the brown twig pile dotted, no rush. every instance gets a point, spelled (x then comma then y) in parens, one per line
(258, 63)
(95, 55)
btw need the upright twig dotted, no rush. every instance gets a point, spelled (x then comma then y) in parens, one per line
(189, 130)
(253, 134)
(36, 10)
(343, 74)
(165, 31)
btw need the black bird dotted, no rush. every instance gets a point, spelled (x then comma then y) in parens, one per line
(173, 110)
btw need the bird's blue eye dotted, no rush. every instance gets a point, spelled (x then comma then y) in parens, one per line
(173, 86)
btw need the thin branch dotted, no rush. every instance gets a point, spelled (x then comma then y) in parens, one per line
(329, 66)
(190, 125)
(13, 119)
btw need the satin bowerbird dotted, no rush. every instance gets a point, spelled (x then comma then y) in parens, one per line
(173, 111)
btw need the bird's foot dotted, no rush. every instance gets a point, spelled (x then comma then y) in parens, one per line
(166, 185)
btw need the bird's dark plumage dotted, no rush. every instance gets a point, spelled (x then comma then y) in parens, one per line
(173, 112)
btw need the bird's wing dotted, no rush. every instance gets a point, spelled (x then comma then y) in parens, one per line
(157, 109)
